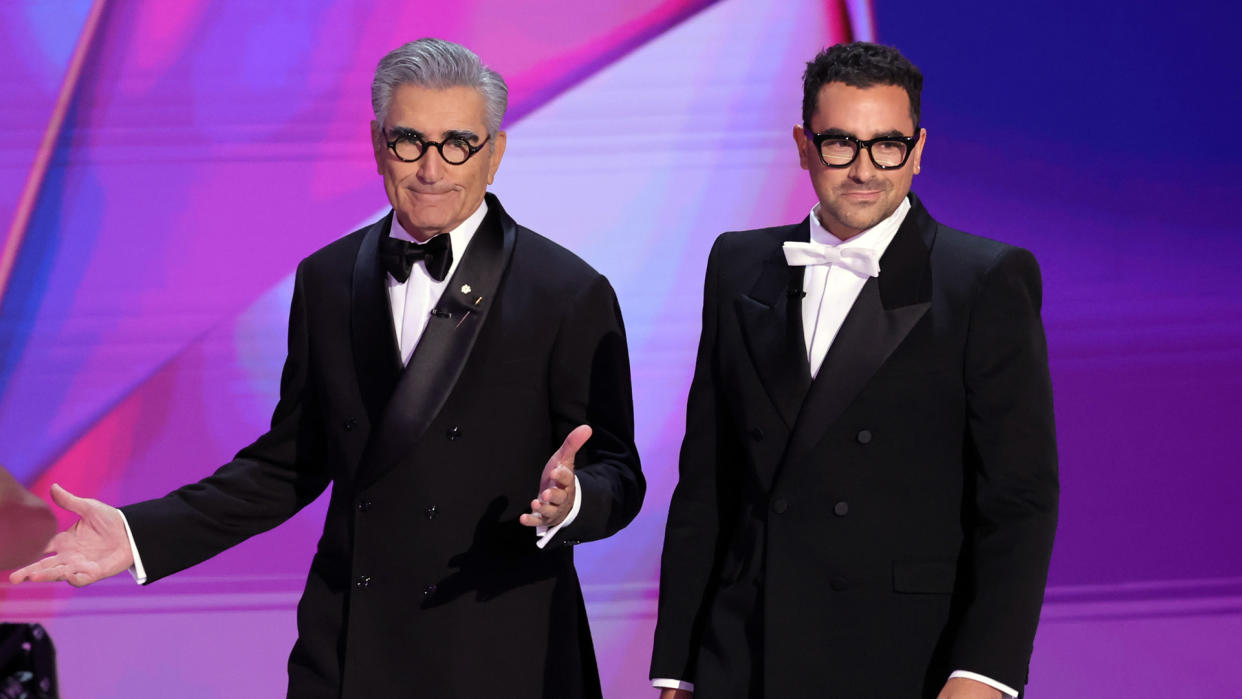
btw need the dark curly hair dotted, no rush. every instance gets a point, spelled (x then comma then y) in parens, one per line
(860, 64)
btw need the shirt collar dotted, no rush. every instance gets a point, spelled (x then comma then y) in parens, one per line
(459, 237)
(875, 238)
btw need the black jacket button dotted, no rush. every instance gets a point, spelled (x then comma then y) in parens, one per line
(864, 436)
(839, 584)
(350, 424)
(779, 505)
(429, 590)
(430, 512)
(364, 504)
(841, 509)
(453, 433)
(362, 582)
(756, 433)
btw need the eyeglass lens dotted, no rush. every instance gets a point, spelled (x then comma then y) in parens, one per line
(839, 151)
(455, 151)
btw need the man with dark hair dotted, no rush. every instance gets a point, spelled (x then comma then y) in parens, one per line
(436, 357)
(868, 483)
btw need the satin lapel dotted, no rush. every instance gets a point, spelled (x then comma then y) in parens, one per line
(445, 346)
(770, 315)
(886, 310)
(377, 358)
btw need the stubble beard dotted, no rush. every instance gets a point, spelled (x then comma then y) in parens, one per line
(860, 218)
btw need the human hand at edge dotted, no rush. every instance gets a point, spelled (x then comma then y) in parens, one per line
(966, 688)
(94, 548)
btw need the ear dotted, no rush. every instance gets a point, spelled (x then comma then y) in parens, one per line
(378, 146)
(498, 152)
(803, 144)
(918, 151)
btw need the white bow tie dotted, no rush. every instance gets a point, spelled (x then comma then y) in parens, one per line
(861, 261)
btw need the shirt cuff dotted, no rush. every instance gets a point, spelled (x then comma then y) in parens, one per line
(545, 534)
(664, 683)
(136, 570)
(1005, 689)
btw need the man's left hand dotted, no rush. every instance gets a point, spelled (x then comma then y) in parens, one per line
(966, 688)
(557, 491)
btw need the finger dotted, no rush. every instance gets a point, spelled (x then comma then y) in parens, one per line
(573, 442)
(57, 574)
(554, 496)
(69, 501)
(547, 516)
(54, 574)
(22, 574)
(78, 579)
(39, 571)
(562, 476)
(548, 506)
(545, 510)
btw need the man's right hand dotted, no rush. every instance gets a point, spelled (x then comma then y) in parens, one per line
(94, 548)
(676, 694)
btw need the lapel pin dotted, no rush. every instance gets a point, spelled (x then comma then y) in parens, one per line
(465, 288)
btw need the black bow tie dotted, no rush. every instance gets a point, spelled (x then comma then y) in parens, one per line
(399, 256)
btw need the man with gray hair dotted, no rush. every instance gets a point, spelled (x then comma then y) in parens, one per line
(436, 358)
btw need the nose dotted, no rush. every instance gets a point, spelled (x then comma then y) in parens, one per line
(430, 167)
(862, 169)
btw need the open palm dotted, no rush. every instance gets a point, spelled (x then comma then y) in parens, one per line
(94, 548)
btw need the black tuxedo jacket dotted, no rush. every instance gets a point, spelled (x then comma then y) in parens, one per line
(424, 583)
(867, 533)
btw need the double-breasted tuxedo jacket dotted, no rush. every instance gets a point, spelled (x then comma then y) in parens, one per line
(424, 583)
(869, 532)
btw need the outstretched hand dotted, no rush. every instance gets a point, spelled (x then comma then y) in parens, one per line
(556, 486)
(965, 688)
(94, 548)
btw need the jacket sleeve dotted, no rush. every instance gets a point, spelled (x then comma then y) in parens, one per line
(264, 485)
(1011, 449)
(589, 383)
(692, 538)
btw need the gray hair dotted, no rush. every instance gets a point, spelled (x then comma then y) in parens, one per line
(438, 65)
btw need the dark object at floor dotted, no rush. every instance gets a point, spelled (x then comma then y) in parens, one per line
(27, 663)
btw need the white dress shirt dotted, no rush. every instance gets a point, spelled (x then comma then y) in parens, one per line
(831, 290)
(412, 302)
(830, 294)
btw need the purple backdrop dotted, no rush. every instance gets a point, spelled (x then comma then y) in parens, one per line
(164, 166)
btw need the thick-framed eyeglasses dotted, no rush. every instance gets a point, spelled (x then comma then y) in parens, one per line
(839, 150)
(409, 147)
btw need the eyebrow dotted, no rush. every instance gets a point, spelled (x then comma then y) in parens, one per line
(463, 134)
(891, 133)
